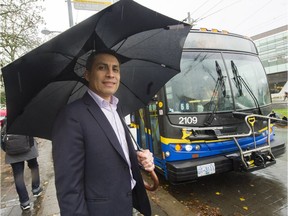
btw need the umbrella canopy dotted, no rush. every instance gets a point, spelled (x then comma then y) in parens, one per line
(44, 80)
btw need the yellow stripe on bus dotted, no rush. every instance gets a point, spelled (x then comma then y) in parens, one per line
(167, 141)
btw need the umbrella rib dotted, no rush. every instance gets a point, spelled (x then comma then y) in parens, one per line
(138, 42)
(78, 89)
(70, 57)
(123, 52)
(162, 65)
(132, 92)
(121, 44)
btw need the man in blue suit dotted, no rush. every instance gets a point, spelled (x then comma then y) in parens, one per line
(96, 166)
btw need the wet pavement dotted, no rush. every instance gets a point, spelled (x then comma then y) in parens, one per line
(263, 192)
(9, 198)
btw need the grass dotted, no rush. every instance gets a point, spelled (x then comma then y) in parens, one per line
(281, 112)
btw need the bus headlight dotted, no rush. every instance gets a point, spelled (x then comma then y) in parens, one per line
(188, 148)
(167, 154)
(197, 147)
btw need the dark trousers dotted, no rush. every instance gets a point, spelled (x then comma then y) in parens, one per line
(18, 173)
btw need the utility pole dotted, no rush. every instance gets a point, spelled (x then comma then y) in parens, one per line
(70, 13)
(191, 21)
(189, 18)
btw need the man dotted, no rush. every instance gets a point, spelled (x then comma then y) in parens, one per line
(96, 167)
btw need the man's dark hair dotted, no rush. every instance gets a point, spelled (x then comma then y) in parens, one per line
(91, 57)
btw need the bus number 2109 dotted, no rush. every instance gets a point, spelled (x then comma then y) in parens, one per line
(188, 120)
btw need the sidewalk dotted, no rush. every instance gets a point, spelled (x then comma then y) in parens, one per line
(163, 204)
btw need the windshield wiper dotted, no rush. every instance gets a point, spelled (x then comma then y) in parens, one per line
(221, 79)
(219, 84)
(239, 81)
(237, 78)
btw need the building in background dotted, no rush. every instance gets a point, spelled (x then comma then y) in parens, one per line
(273, 50)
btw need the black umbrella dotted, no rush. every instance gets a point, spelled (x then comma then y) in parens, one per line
(41, 82)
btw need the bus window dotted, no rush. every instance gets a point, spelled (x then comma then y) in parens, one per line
(155, 129)
(244, 71)
(202, 85)
(143, 141)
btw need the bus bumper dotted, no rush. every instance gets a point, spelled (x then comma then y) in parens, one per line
(185, 171)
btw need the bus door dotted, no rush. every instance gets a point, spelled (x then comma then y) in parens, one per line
(148, 135)
(143, 138)
(153, 128)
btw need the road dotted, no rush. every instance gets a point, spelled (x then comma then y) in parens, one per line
(263, 192)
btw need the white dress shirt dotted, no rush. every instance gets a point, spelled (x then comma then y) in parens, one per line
(109, 110)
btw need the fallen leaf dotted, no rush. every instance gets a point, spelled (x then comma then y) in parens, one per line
(245, 208)
(242, 199)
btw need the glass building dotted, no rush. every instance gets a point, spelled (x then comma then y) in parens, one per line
(273, 50)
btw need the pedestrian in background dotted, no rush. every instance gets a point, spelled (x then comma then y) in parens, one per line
(285, 95)
(96, 165)
(17, 162)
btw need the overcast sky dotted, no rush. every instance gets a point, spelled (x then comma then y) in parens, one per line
(245, 17)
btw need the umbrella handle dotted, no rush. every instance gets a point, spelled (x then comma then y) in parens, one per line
(155, 184)
(152, 173)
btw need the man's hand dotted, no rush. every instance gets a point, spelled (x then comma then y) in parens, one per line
(145, 158)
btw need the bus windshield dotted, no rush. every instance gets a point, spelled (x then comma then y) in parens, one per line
(212, 82)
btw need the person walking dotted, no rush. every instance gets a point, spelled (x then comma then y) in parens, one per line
(17, 162)
(96, 165)
(285, 95)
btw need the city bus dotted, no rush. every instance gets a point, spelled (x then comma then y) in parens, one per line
(212, 117)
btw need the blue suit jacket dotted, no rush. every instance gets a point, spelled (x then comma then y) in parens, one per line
(91, 174)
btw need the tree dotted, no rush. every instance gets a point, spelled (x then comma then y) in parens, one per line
(19, 24)
(20, 20)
